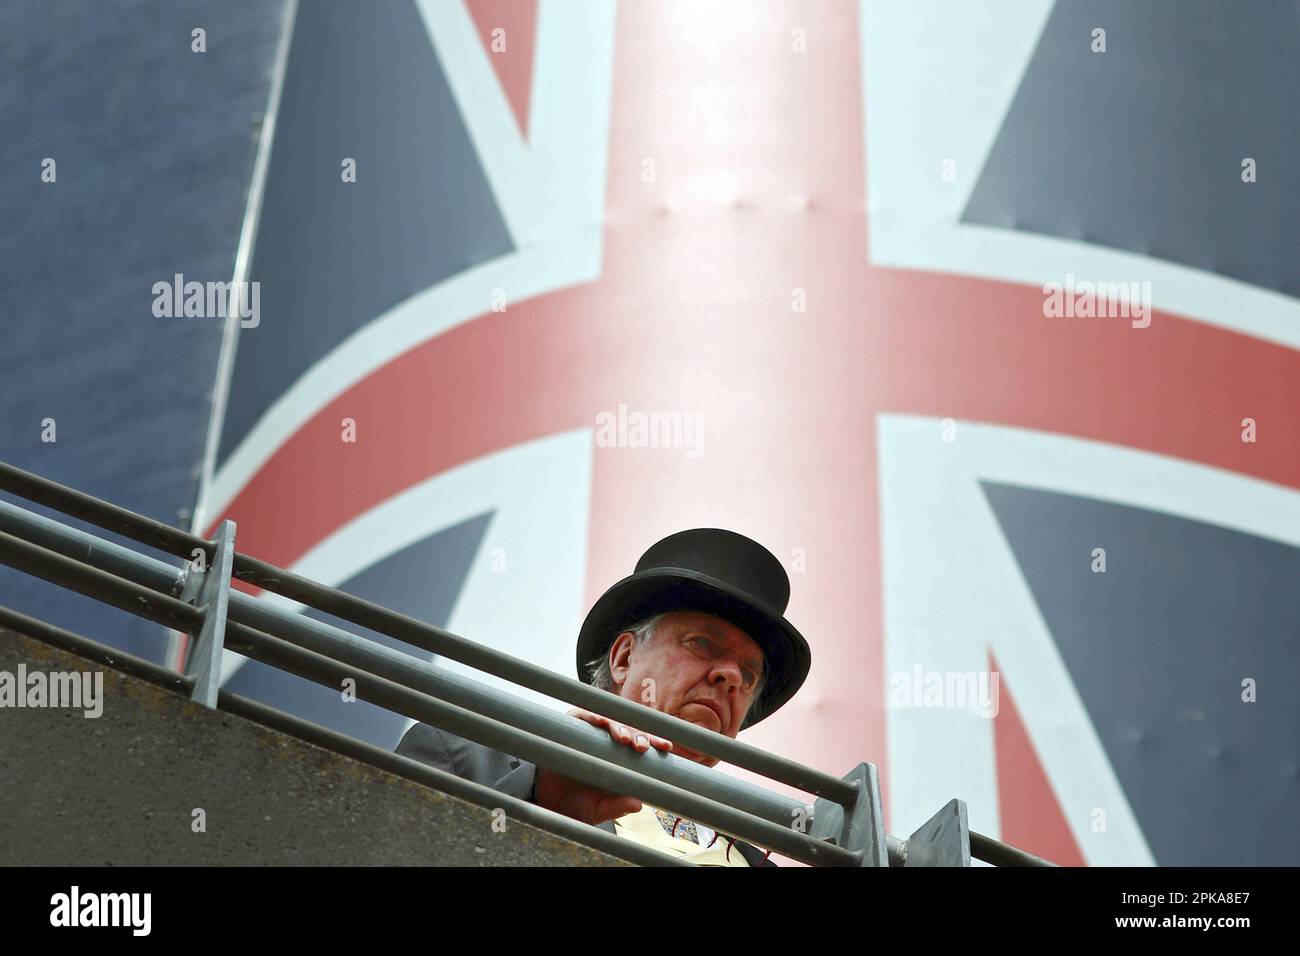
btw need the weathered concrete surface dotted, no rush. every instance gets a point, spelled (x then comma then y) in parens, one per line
(121, 790)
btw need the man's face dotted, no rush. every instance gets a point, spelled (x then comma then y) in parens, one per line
(697, 667)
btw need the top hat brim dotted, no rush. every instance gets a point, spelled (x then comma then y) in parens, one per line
(787, 657)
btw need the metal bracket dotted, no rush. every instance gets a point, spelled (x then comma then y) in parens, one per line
(943, 840)
(210, 591)
(863, 829)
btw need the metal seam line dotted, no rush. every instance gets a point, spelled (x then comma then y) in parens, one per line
(243, 270)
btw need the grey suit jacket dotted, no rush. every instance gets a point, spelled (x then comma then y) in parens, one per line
(497, 770)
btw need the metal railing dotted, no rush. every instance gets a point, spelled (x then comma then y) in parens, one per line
(843, 826)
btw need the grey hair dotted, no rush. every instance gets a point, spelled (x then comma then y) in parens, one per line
(598, 667)
(643, 631)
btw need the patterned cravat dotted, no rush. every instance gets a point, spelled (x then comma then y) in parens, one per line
(685, 828)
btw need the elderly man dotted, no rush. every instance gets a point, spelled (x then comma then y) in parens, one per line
(697, 632)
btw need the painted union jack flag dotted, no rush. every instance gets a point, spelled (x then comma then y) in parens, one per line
(543, 281)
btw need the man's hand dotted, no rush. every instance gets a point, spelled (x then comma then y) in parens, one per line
(589, 804)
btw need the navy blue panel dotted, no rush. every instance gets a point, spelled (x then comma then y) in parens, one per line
(422, 581)
(1140, 147)
(1158, 646)
(363, 82)
(154, 146)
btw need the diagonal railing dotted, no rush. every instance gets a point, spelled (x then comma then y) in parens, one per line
(843, 826)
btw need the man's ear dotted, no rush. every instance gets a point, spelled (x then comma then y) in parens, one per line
(620, 657)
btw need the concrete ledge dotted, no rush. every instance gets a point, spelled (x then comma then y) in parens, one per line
(121, 790)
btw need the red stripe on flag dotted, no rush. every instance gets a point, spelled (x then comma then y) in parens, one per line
(1031, 815)
(511, 51)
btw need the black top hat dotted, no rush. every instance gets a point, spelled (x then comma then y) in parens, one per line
(716, 572)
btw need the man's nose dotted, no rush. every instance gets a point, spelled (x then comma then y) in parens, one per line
(727, 672)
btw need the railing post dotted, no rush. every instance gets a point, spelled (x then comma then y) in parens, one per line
(943, 840)
(210, 591)
(862, 830)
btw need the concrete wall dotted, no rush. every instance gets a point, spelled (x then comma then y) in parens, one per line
(121, 789)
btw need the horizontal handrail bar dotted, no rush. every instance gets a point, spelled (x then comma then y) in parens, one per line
(998, 853)
(144, 602)
(538, 750)
(122, 593)
(403, 668)
(164, 579)
(427, 637)
(447, 782)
